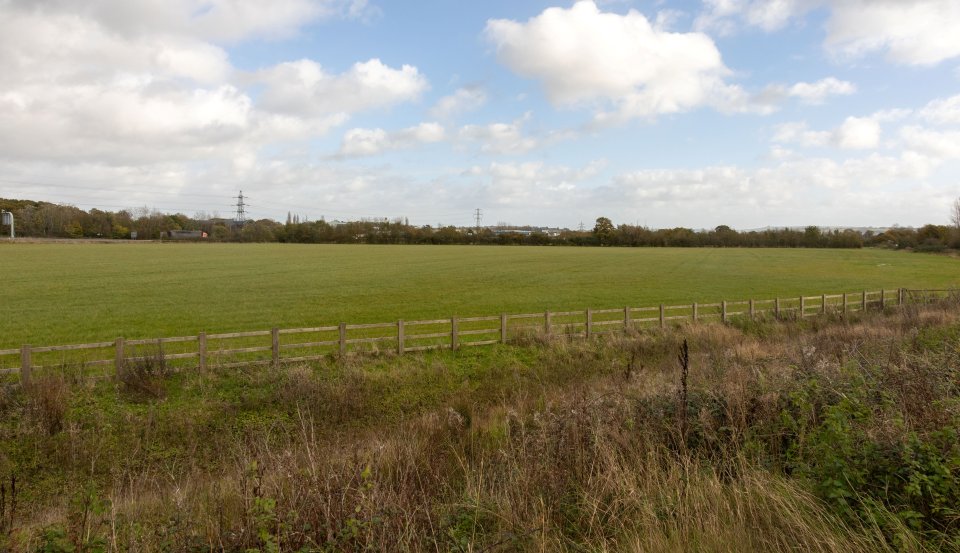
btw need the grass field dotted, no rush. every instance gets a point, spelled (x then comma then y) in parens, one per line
(74, 293)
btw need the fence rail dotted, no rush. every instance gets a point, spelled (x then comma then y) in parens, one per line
(234, 349)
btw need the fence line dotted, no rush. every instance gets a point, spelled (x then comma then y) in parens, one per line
(448, 333)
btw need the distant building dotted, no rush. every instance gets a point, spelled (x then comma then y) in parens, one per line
(527, 231)
(186, 235)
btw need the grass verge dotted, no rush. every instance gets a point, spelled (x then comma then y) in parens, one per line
(826, 434)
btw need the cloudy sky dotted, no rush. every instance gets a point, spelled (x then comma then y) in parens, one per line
(697, 113)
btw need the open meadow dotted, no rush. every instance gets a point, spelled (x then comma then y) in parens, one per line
(73, 293)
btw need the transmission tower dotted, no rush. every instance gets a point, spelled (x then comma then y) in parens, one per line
(241, 213)
(478, 216)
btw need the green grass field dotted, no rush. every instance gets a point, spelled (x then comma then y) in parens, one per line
(73, 293)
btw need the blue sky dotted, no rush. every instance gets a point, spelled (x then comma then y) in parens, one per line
(741, 112)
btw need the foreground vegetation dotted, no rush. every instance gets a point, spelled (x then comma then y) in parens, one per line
(815, 435)
(74, 293)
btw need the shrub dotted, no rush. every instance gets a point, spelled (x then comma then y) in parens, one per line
(143, 377)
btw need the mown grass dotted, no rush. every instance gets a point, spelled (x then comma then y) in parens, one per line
(74, 293)
(827, 434)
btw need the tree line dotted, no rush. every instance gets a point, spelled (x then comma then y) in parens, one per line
(43, 219)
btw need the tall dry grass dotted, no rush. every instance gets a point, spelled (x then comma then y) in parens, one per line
(581, 448)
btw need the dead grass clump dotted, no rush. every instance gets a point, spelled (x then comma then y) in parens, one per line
(144, 377)
(48, 399)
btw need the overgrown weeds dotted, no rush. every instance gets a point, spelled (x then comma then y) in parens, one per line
(837, 435)
(48, 398)
(144, 377)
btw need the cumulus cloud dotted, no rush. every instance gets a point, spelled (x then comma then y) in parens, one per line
(911, 32)
(582, 55)
(858, 133)
(817, 92)
(208, 20)
(462, 101)
(854, 133)
(369, 142)
(60, 49)
(942, 145)
(115, 90)
(942, 111)
(304, 88)
(723, 16)
(500, 138)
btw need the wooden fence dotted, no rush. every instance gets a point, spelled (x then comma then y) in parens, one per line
(305, 344)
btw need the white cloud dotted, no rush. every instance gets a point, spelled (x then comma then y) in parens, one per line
(116, 90)
(584, 56)
(855, 133)
(943, 111)
(816, 92)
(799, 133)
(463, 100)
(532, 183)
(213, 20)
(369, 142)
(58, 49)
(304, 88)
(791, 192)
(911, 32)
(937, 144)
(723, 16)
(500, 138)
(858, 133)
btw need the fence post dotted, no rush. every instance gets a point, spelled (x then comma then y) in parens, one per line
(695, 314)
(546, 321)
(343, 338)
(25, 367)
(626, 319)
(844, 303)
(118, 359)
(752, 312)
(400, 337)
(202, 351)
(802, 307)
(863, 302)
(662, 320)
(503, 328)
(899, 296)
(823, 303)
(589, 322)
(454, 336)
(723, 311)
(881, 300)
(275, 346)
(776, 308)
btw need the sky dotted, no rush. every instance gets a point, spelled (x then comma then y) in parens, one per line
(748, 113)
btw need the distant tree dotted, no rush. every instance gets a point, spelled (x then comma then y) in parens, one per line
(812, 237)
(955, 218)
(725, 236)
(603, 231)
